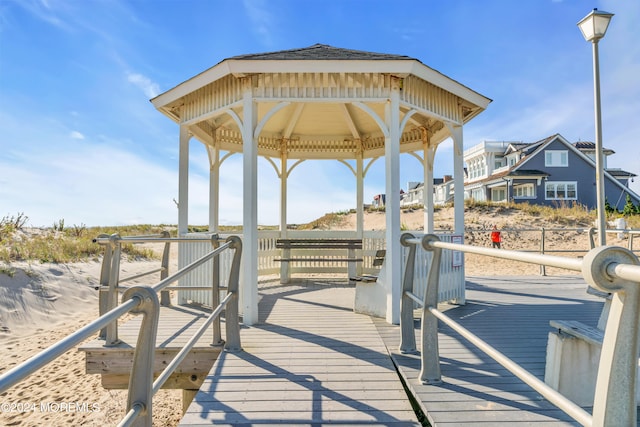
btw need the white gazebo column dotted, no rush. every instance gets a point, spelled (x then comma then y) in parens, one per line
(428, 156)
(183, 181)
(359, 203)
(285, 273)
(393, 259)
(458, 180)
(249, 286)
(284, 176)
(214, 189)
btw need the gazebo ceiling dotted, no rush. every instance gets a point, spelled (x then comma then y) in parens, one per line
(320, 102)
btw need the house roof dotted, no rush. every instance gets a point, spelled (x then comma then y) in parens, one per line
(619, 173)
(587, 147)
(527, 172)
(516, 147)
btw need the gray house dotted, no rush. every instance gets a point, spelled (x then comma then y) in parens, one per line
(548, 172)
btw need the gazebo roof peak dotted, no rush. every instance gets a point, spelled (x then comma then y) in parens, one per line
(320, 101)
(320, 51)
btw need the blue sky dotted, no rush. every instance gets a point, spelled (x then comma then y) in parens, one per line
(80, 141)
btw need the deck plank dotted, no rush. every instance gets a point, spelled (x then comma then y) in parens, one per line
(511, 314)
(310, 361)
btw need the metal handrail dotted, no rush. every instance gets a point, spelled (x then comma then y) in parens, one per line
(144, 299)
(608, 268)
(139, 275)
(104, 239)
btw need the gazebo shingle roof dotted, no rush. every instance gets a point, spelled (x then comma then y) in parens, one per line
(323, 52)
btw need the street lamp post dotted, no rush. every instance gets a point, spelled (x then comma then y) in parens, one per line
(593, 27)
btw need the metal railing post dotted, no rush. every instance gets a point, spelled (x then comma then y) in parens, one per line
(141, 378)
(543, 268)
(103, 293)
(430, 371)
(615, 396)
(232, 318)
(165, 296)
(215, 293)
(407, 332)
(111, 338)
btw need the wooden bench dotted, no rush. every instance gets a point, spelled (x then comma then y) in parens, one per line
(317, 246)
(573, 355)
(378, 260)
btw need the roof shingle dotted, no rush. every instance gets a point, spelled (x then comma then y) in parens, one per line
(322, 52)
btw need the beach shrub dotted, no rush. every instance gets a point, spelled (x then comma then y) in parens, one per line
(9, 224)
(59, 225)
(629, 208)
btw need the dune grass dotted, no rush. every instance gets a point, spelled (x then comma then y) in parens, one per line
(60, 244)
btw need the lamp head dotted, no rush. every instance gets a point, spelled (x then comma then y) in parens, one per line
(594, 25)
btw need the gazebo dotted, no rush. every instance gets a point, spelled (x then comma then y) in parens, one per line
(320, 102)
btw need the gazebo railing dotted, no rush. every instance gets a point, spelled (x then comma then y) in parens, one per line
(608, 268)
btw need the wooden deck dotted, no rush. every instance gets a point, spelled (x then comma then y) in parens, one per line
(310, 361)
(176, 325)
(512, 314)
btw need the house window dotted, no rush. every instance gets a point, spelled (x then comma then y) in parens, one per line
(524, 191)
(561, 190)
(478, 194)
(556, 158)
(498, 194)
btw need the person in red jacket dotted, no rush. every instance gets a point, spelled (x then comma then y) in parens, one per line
(495, 237)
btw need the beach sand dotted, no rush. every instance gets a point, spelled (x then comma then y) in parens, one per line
(41, 307)
(42, 303)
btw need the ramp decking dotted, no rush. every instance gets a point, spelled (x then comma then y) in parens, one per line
(311, 361)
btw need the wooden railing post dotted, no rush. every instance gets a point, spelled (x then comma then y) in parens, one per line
(232, 318)
(141, 378)
(407, 332)
(543, 268)
(615, 397)
(215, 292)
(592, 242)
(111, 338)
(165, 297)
(103, 289)
(430, 371)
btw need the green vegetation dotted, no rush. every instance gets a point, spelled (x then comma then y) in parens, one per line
(325, 222)
(59, 244)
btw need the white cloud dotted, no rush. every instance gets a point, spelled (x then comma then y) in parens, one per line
(76, 135)
(150, 88)
(44, 11)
